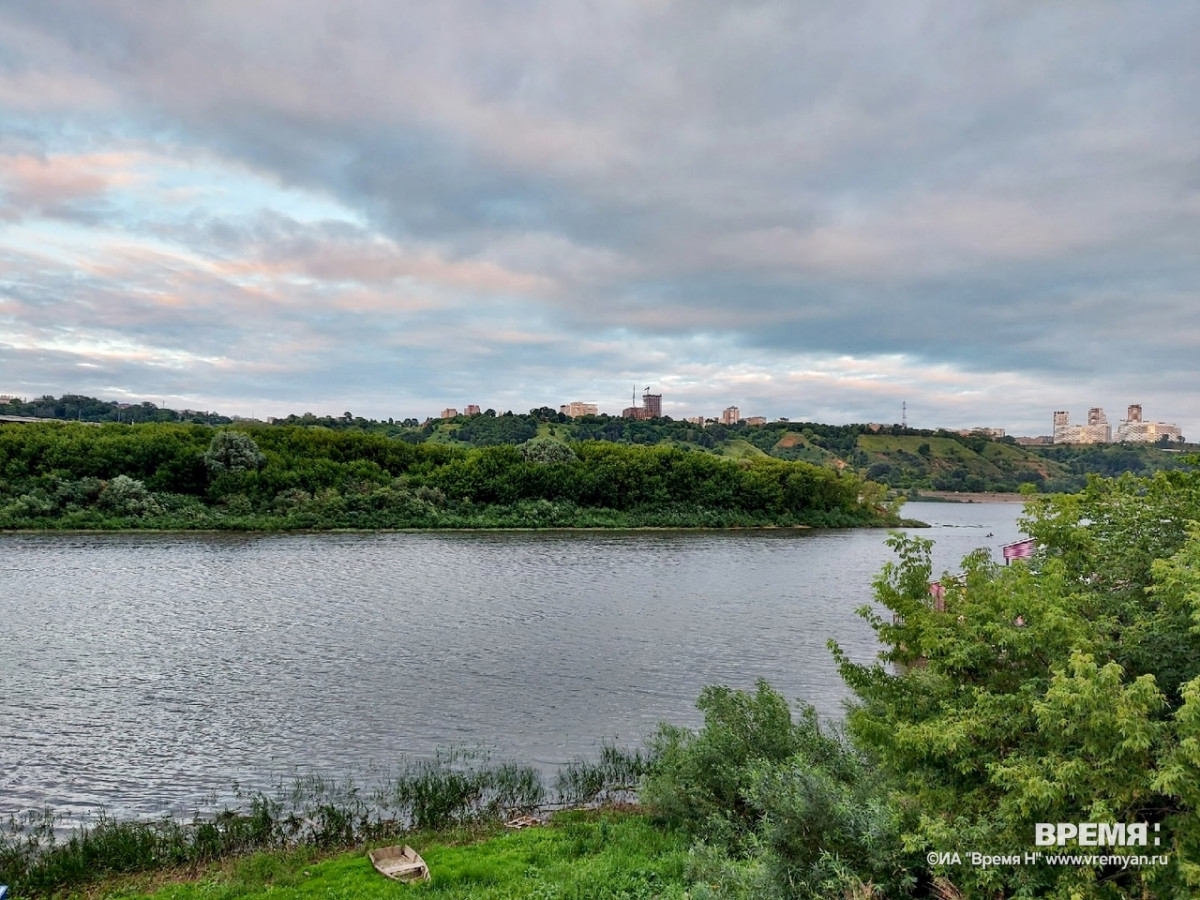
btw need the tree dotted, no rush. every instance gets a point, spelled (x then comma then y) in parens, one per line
(1067, 690)
(545, 450)
(233, 451)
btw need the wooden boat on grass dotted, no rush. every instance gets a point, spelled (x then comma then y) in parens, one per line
(401, 863)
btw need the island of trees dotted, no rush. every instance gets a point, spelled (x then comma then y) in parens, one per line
(72, 475)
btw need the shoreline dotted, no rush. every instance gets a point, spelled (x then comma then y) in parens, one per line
(599, 529)
(969, 497)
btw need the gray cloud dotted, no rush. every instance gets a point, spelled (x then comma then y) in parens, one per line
(998, 189)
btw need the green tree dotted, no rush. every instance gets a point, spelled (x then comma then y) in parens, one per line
(233, 451)
(1067, 690)
(545, 451)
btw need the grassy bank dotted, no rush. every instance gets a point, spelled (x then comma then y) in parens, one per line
(455, 790)
(583, 854)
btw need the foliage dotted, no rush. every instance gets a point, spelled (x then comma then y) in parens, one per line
(65, 475)
(904, 459)
(547, 451)
(448, 790)
(127, 496)
(233, 451)
(799, 803)
(489, 431)
(1061, 691)
(703, 780)
(76, 408)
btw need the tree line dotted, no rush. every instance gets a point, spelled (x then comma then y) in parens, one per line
(916, 460)
(67, 475)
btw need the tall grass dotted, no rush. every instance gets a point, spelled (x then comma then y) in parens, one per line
(38, 856)
(614, 778)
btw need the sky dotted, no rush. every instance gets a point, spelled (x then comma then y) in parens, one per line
(820, 211)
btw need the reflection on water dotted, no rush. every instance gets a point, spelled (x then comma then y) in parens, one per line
(144, 673)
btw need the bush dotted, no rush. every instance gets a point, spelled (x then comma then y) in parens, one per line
(800, 806)
(127, 497)
(703, 781)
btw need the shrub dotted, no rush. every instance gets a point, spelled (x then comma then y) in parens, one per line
(127, 497)
(703, 781)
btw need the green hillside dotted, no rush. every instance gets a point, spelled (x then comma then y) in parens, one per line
(950, 464)
(903, 459)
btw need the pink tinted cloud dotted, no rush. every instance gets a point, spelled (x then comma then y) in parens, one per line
(47, 186)
(379, 261)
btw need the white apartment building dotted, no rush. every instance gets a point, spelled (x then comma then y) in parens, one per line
(1098, 430)
(1136, 431)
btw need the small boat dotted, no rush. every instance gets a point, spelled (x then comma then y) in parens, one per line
(523, 822)
(401, 863)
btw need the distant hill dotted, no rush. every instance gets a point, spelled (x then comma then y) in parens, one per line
(906, 460)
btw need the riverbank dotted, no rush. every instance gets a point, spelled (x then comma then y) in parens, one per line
(610, 852)
(548, 529)
(550, 518)
(969, 497)
(454, 798)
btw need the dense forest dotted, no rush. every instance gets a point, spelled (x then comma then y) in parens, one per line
(74, 475)
(904, 459)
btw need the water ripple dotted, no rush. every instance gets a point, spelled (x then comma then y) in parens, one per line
(141, 673)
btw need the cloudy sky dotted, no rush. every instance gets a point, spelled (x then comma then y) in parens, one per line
(808, 209)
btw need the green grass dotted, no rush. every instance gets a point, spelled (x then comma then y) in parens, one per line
(894, 443)
(578, 855)
(741, 449)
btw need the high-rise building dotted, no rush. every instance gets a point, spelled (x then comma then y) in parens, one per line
(651, 407)
(731, 415)
(1064, 431)
(448, 413)
(1097, 430)
(1134, 430)
(472, 410)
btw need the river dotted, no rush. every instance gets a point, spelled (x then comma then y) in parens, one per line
(141, 674)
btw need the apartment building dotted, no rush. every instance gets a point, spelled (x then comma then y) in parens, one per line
(578, 408)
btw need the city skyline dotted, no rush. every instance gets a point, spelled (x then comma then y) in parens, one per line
(807, 212)
(1059, 432)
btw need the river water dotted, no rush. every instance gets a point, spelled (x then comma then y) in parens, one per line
(140, 674)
